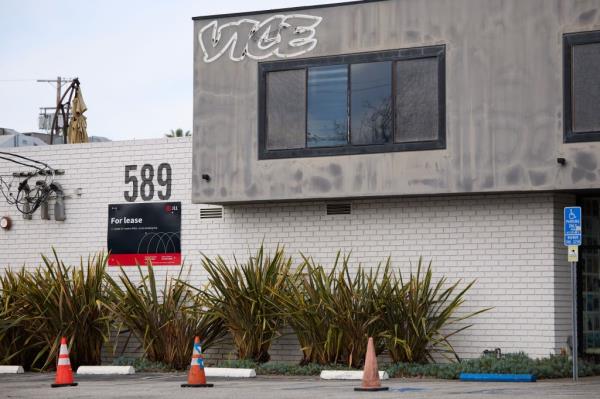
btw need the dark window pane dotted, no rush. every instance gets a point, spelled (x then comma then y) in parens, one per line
(586, 88)
(327, 106)
(416, 100)
(371, 103)
(286, 124)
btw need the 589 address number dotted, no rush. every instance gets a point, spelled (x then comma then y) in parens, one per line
(145, 186)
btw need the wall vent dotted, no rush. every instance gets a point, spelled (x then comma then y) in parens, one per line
(211, 213)
(340, 208)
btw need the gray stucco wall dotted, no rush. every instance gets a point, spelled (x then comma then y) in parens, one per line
(504, 105)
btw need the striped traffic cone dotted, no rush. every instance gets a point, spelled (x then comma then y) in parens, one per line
(64, 374)
(196, 376)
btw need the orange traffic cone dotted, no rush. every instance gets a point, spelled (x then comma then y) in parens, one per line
(64, 374)
(196, 376)
(370, 380)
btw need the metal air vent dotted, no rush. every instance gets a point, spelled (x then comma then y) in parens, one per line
(211, 213)
(340, 208)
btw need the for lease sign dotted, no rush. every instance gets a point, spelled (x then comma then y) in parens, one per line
(139, 233)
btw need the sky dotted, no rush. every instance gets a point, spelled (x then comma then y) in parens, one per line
(132, 57)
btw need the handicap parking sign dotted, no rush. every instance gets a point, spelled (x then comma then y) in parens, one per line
(572, 217)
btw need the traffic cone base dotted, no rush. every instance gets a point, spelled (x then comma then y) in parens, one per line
(197, 385)
(361, 389)
(74, 384)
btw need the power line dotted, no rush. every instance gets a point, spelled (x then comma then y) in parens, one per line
(25, 158)
(58, 80)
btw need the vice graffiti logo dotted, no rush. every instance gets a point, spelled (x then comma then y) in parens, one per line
(283, 36)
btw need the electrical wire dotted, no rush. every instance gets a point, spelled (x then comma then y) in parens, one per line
(25, 158)
(27, 199)
(21, 163)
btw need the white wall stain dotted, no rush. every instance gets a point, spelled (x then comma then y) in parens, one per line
(283, 36)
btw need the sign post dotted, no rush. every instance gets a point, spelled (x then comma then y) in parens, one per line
(572, 220)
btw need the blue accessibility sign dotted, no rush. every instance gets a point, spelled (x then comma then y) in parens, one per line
(572, 218)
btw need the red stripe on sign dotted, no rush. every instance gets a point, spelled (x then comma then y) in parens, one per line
(164, 259)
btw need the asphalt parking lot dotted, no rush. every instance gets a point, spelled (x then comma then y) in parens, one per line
(159, 385)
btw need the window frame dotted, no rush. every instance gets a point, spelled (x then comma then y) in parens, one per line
(570, 40)
(438, 51)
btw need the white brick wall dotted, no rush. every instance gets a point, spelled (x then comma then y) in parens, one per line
(510, 243)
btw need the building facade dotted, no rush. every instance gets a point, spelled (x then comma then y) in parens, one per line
(447, 105)
(403, 128)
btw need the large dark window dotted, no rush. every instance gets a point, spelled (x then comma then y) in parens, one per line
(582, 86)
(353, 104)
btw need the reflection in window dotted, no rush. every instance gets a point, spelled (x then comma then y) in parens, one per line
(371, 103)
(327, 99)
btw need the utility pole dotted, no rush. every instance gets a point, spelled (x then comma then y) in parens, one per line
(58, 90)
(59, 81)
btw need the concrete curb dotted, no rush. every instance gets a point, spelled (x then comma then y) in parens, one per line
(105, 370)
(11, 370)
(348, 375)
(229, 373)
